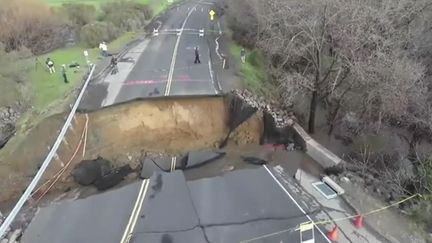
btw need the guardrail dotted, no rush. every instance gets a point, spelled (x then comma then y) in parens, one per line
(9, 219)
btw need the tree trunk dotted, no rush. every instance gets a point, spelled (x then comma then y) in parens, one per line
(332, 120)
(312, 111)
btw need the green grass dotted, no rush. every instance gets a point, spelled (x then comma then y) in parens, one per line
(49, 89)
(253, 72)
(95, 3)
(156, 5)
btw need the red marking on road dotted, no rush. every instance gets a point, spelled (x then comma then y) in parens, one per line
(181, 78)
(138, 82)
(191, 80)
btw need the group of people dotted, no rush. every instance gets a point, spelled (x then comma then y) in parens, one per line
(104, 52)
(51, 69)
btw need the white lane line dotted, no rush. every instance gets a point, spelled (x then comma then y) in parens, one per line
(220, 30)
(211, 72)
(217, 48)
(174, 57)
(295, 202)
(135, 212)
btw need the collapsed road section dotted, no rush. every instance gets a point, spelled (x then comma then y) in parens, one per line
(126, 133)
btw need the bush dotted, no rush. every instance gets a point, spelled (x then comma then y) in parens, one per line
(93, 34)
(30, 23)
(423, 213)
(14, 67)
(79, 14)
(127, 16)
(243, 22)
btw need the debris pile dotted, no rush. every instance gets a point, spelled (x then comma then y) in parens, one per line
(282, 118)
(99, 173)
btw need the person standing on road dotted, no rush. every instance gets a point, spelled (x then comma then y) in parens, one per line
(63, 71)
(197, 59)
(243, 55)
(50, 65)
(114, 65)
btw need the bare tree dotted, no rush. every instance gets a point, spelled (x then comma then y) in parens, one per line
(352, 53)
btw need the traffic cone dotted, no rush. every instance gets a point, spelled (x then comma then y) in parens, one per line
(332, 234)
(358, 222)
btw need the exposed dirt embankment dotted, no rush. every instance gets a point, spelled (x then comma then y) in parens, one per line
(121, 134)
(172, 125)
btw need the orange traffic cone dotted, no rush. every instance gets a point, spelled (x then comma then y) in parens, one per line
(332, 234)
(358, 222)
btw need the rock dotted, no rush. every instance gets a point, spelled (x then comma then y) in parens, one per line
(254, 160)
(88, 171)
(290, 147)
(345, 179)
(6, 133)
(228, 168)
(112, 179)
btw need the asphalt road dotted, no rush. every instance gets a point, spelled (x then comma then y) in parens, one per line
(164, 64)
(238, 206)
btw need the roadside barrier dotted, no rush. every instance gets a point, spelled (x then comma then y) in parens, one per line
(58, 175)
(26, 195)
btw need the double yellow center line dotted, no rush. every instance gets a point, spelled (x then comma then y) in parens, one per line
(173, 164)
(135, 212)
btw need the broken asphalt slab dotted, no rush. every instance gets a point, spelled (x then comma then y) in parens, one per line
(196, 159)
(236, 206)
(191, 160)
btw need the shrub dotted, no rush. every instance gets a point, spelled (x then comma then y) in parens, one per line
(14, 67)
(93, 34)
(29, 23)
(79, 14)
(126, 15)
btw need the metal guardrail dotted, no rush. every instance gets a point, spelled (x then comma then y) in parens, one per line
(9, 219)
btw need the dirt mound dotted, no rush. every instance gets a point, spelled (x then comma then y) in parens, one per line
(250, 131)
